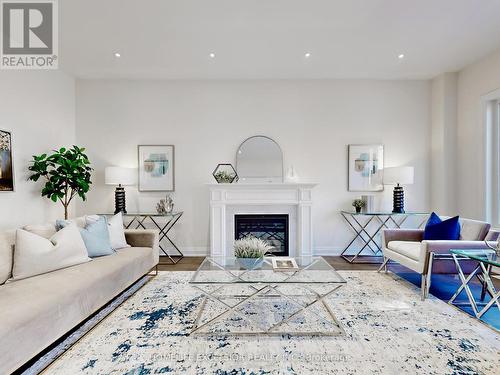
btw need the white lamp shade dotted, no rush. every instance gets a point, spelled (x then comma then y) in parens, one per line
(398, 175)
(119, 176)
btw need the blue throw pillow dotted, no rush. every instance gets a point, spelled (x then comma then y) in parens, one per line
(95, 236)
(436, 229)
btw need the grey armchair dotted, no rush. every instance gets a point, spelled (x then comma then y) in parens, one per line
(407, 247)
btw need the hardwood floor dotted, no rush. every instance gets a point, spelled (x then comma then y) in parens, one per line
(192, 263)
(185, 264)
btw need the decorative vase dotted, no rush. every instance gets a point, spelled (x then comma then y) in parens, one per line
(169, 204)
(250, 263)
(369, 206)
(358, 210)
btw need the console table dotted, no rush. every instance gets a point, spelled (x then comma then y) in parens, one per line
(367, 227)
(138, 221)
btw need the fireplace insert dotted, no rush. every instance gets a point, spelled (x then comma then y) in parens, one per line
(269, 227)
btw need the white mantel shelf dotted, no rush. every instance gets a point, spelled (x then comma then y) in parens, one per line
(226, 200)
(268, 185)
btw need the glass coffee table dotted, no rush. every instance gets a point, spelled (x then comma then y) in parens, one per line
(486, 260)
(264, 301)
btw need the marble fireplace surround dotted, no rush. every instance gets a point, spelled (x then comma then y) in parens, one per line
(227, 200)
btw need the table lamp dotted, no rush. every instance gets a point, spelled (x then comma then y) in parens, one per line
(120, 177)
(398, 176)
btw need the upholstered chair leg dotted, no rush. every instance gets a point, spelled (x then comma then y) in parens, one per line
(429, 274)
(423, 287)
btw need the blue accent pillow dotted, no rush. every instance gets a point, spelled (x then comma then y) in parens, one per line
(95, 236)
(437, 229)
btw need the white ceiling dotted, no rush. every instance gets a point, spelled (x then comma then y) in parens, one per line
(267, 39)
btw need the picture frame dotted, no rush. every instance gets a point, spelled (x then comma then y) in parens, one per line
(366, 166)
(7, 178)
(156, 167)
(284, 264)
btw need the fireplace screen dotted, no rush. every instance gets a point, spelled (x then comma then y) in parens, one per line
(271, 228)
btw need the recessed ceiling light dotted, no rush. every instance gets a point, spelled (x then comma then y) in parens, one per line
(117, 54)
(307, 55)
(212, 55)
(401, 56)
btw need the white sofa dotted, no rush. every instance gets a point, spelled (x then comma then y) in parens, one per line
(36, 311)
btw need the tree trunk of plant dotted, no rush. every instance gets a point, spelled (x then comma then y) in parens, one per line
(65, 212)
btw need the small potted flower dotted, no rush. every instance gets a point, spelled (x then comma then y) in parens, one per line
(358, 204)
(250, 252)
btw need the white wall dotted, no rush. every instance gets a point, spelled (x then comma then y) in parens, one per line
(444, 144)
(474, 81)
(39, 108)
(313, 121)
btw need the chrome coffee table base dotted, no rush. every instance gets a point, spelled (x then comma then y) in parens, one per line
(263, 301)
(261, 293)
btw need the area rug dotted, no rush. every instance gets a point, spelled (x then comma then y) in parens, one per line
(388, 330)
(444, 286)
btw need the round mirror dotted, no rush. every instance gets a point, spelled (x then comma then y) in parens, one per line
(259, 159)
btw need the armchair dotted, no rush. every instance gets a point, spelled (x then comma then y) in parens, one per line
(407, 247)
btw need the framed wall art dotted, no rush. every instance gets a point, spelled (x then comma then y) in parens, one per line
(156, 167)
(366, 165)
(6, 163)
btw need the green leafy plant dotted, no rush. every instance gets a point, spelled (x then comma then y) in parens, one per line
(251, 247)
(67, 173)
(358, 204)
(224, 177)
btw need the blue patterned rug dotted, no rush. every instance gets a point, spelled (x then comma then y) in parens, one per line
(444, 286)
(388, 330)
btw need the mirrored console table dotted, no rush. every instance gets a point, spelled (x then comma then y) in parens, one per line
(368, 226)
(155, 220)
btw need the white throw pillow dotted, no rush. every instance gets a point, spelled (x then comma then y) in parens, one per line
(115, 228)
(35, 255)
(43, 230)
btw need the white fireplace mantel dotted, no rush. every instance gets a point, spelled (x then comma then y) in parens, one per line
(226, 200)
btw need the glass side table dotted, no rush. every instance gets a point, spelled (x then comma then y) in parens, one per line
(486, 259)
(138, 220)
(368, 226)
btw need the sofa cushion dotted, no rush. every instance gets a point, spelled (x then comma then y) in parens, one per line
(35, 255)
(409, 249)
(7, 240)
(473, 230)
(37, 311)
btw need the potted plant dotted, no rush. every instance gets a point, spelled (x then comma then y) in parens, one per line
(66, 173)
(250, 251)
(358, 204)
